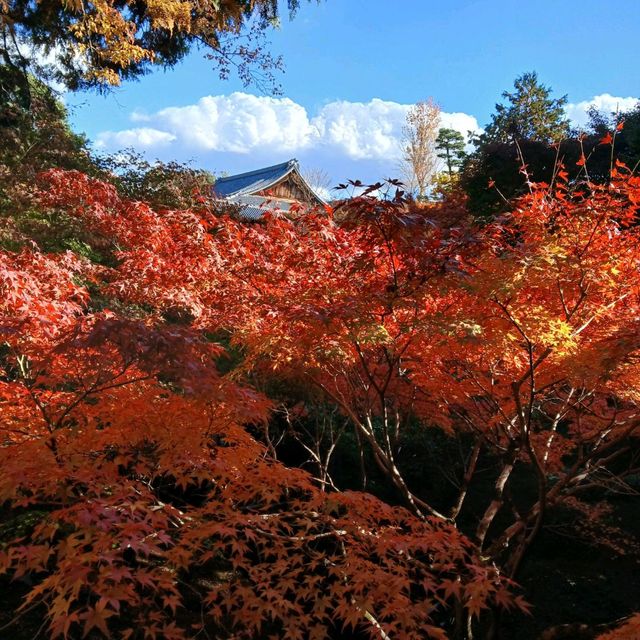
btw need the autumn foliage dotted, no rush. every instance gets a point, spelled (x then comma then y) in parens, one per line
(119, 433)
(143, 502)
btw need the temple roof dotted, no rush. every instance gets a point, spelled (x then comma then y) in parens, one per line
(251, 190)
(254, 207)
(253, 181)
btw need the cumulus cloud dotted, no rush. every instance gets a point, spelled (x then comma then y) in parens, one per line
(140, 138)
(236, 123)
(241, 123)
(354, 139)
(361, 130)
(605, 102)
(462, 122)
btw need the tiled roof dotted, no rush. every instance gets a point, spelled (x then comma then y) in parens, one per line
(253, 181)
(254, 207)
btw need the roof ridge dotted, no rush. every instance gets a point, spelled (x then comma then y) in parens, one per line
(288, 164)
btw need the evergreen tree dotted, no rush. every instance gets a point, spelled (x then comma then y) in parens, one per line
(630, 135)
(450, 147)
(34, 130)
(529, 113)
(98, 44)
(532, 118)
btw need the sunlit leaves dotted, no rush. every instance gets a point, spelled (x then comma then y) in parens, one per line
(117, 424)
(118, 429)
(101, 42)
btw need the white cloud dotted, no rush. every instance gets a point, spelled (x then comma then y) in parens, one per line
(605, 102)
(140, 138)
(347, 139)
(238, 123)
(462, 122)
(361, 130)
(241, 123)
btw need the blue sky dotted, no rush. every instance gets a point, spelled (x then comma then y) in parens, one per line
(353, 67)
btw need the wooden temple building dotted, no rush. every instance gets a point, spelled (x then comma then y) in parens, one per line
(277, 188)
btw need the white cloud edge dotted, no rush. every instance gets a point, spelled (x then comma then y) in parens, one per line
(606, 103)
(242, 123)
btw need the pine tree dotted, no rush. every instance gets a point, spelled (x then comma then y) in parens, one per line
(530, 113)
(450, 145)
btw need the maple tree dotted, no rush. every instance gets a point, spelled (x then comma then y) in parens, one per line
(520, 334)
(520, 337)
(498, 333)
(626, 631)
(156, 508)
(150, 509)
